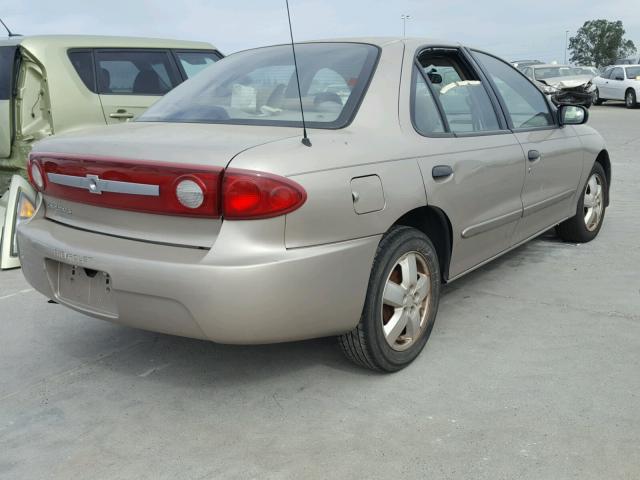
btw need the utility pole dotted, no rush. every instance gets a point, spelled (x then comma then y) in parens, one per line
(404, 24)
(566, 45)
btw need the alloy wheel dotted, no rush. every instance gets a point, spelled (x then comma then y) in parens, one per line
(593, 202)
(406, 301)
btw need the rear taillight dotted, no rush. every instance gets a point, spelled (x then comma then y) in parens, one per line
(250, 195)
(164, 188)
(36, 175)
(137, 185)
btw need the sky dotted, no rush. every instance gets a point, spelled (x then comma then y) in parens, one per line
(512, 29)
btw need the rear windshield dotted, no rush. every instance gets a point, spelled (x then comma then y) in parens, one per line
(7, 58)
(633, 73)
(258, 87)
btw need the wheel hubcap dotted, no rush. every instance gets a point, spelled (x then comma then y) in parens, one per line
(593, 202)
(405, 301)
(629, 98)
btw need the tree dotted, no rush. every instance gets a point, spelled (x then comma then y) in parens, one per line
(600, 43)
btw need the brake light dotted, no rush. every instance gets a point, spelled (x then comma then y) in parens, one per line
(250, 195)
(165, 188)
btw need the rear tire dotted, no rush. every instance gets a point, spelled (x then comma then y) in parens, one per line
(585, 225)
(630, 100)
(401, 303)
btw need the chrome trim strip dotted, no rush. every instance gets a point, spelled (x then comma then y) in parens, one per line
(491, 224)
(547, 202)
(507, 250)
(94, 184)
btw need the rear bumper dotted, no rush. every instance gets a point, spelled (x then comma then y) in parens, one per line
(266, 294)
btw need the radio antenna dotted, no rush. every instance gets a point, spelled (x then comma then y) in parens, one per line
(11, 34)
(305, 137)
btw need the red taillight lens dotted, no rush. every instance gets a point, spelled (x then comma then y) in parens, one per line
(250, 195)
(137, 185)
(165, 188)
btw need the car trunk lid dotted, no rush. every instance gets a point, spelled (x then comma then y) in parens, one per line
(137, 167)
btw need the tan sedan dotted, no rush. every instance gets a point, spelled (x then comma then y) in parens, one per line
(209, 218)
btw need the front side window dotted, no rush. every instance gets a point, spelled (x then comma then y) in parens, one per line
(633, 73)
(135, 72)
(617, 74)
(193, 62)
(463, 97)
(82, 62)
(258, 87)
(526, 105)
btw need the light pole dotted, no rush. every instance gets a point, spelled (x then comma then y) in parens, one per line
(404, 24)
(566, 45)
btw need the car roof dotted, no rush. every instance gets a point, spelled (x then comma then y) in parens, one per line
(99, 41)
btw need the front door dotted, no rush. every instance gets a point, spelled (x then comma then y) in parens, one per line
(616, 84)
(553, 154)
(131, 80)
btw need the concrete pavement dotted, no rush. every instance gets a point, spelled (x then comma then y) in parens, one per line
(532, 372)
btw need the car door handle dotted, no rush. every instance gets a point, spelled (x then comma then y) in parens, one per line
(441, 171)
(121, 114)
(533, 155)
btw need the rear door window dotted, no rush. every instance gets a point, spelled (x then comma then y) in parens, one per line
(462, 95)
(135, 72)
(193, 62)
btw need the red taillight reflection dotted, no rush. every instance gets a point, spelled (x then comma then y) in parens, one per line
(251, 195)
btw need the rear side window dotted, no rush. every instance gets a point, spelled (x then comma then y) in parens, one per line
(525, 104)
(135, 72)
(82, 61)
(462, 95)
(193, 62)
(7, 59)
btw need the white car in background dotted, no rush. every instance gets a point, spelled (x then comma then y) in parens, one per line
(619, 82)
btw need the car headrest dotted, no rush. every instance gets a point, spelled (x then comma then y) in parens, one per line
(148, 82)
(105, 80)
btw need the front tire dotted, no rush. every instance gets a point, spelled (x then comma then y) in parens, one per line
(401, 303)
(585, 225)
(597, 100)
(630, 100)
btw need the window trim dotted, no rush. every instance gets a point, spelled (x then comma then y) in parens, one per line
(167, 51)
(415, 71)
(471, 65)
(178, 63)
(552, 111)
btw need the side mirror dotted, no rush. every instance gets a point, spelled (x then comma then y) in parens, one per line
(573, 115)
(16, 206)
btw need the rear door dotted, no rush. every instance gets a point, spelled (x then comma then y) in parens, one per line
(553, 153)
(7, 76)
(131, 80)
(472, 166)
